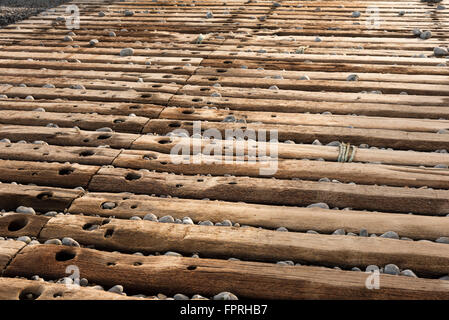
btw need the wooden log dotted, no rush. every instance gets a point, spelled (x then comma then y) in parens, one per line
(205, 276)
(434, 100)
(292, 151)
(53, 174)
(421, 141)
(41, 199)
(340, 85)
(87, 95)
(127, 205)
(83, 121)
(20, 289)
(252, 244)
(67, 136)
(300, 106)
(286, 169)
(122, 109)
(81, 155)
(270, 191)
(403, 124)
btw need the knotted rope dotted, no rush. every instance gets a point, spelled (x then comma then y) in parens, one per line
(344, 151)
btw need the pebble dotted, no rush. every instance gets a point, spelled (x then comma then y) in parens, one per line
(416, 32)
(390, 235)
(53, 241)
(304, 77)
(363, 233)
(372, 267)
(441, 166)
(109, 205)
(77, 87)
(444, 278)
(150, 217)
(116, 289)
(93, 42)
(321, 205)
(425, 35)
(51, 214)
(229, 118)
(126, 52)
(282, 229)
(135, 218)
(352, 77)
(226, 223)
(25, 210)
(356, 269)
(356, 14)
(187, 220)
(408, 273)
(340, 232)
(167, 219)
(112, 34)
(173, 254)
(180, 296)
(439, 51)
(225, 296)
(49, 86)
(442, 240)
(129, 13)
(392, 269)
(84, 282)
(101, 14)
(68, 38)
(25, 239)
(70, 242)
(206, 223)
(209, 15)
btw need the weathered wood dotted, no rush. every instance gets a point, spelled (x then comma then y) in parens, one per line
(404, 124)
(250, 243)
(293, 218)
(53, 174)
(205, 276)
(8, 250)
(81, 155)
(81, 120)
(270, 191)
(17, 289)
(109, 108)
(67, 136)
(42, 199)
(422, 141)
(285, 169)
(291, 151)
(300, 105)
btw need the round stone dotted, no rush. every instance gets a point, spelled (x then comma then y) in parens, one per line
(391, 269)
(53, 241)
(150, 217)
(390, 235)
(25, 210)
(70, 242)
(116, 289)
(225, 296)
(127, 52)
(167, 219)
